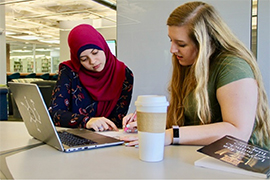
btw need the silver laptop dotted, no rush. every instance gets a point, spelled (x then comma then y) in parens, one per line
(40, 125)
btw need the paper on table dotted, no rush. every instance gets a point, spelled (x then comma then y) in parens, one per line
(212, 163)
(116, 134)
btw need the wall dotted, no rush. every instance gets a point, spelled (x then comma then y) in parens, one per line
(3, 76)
(263, 48)
(143, 43)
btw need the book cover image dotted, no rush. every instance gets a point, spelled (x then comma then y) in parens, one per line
(239, 153)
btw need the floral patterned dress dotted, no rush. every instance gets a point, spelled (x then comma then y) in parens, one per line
(72, 105)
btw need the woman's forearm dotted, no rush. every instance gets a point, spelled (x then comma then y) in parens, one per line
(206, 134)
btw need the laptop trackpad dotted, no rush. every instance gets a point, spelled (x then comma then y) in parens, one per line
(99, 138)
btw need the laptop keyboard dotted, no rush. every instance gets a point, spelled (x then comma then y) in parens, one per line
(73, 140)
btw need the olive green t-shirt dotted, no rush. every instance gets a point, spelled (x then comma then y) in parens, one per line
(222, 71)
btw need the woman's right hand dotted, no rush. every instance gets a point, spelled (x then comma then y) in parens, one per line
(130, 123)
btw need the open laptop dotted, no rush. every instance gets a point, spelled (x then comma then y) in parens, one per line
(40, 125)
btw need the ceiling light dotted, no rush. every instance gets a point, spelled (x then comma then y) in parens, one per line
(20, 51)
(47, 36)
(43, 50)
(50, 41)
(26, 37)
(10, 33)
(12, 2)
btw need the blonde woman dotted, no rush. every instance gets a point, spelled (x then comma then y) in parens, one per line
(216, 87)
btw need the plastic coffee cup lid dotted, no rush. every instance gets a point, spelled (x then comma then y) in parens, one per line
(151, 100)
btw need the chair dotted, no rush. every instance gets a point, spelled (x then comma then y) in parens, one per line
(11, 77)
(45, 76)
(15, 75)
(55, 77)
(31, 75)
(3, 103)
(46, 87)
(13, 109)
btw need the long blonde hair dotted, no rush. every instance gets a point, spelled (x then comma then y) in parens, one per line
(212, 37)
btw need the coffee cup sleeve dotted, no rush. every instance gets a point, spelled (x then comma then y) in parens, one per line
(151, 122)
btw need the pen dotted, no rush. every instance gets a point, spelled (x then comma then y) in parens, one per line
(133, 116)
(130, 120)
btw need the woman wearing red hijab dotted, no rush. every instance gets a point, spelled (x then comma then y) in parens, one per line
(93, 89)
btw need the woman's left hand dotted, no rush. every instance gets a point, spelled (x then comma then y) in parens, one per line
(130, 140)
(101, 124)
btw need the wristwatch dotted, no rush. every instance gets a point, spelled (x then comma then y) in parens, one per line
(176, 138)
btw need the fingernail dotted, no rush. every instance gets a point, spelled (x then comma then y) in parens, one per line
(126, 144)
(136, 146)
(128, 130)
(128, 125)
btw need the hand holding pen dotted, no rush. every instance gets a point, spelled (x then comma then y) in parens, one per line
(130, 123)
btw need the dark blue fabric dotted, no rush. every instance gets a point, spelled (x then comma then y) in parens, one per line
(88, 46)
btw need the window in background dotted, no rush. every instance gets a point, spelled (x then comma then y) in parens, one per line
(254, 27)
(38, 60)
(112, 46)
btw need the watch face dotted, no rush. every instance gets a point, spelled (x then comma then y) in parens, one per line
(176, 132)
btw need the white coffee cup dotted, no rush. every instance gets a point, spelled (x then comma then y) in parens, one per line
(151, 119)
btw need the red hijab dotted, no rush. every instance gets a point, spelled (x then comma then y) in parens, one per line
(105, 86)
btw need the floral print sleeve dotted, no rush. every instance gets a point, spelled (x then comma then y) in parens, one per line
(66, 98)
(72, 106)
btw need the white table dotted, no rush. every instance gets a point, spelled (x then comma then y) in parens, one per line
(13, 138)
(14, 135)
(119, 162)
